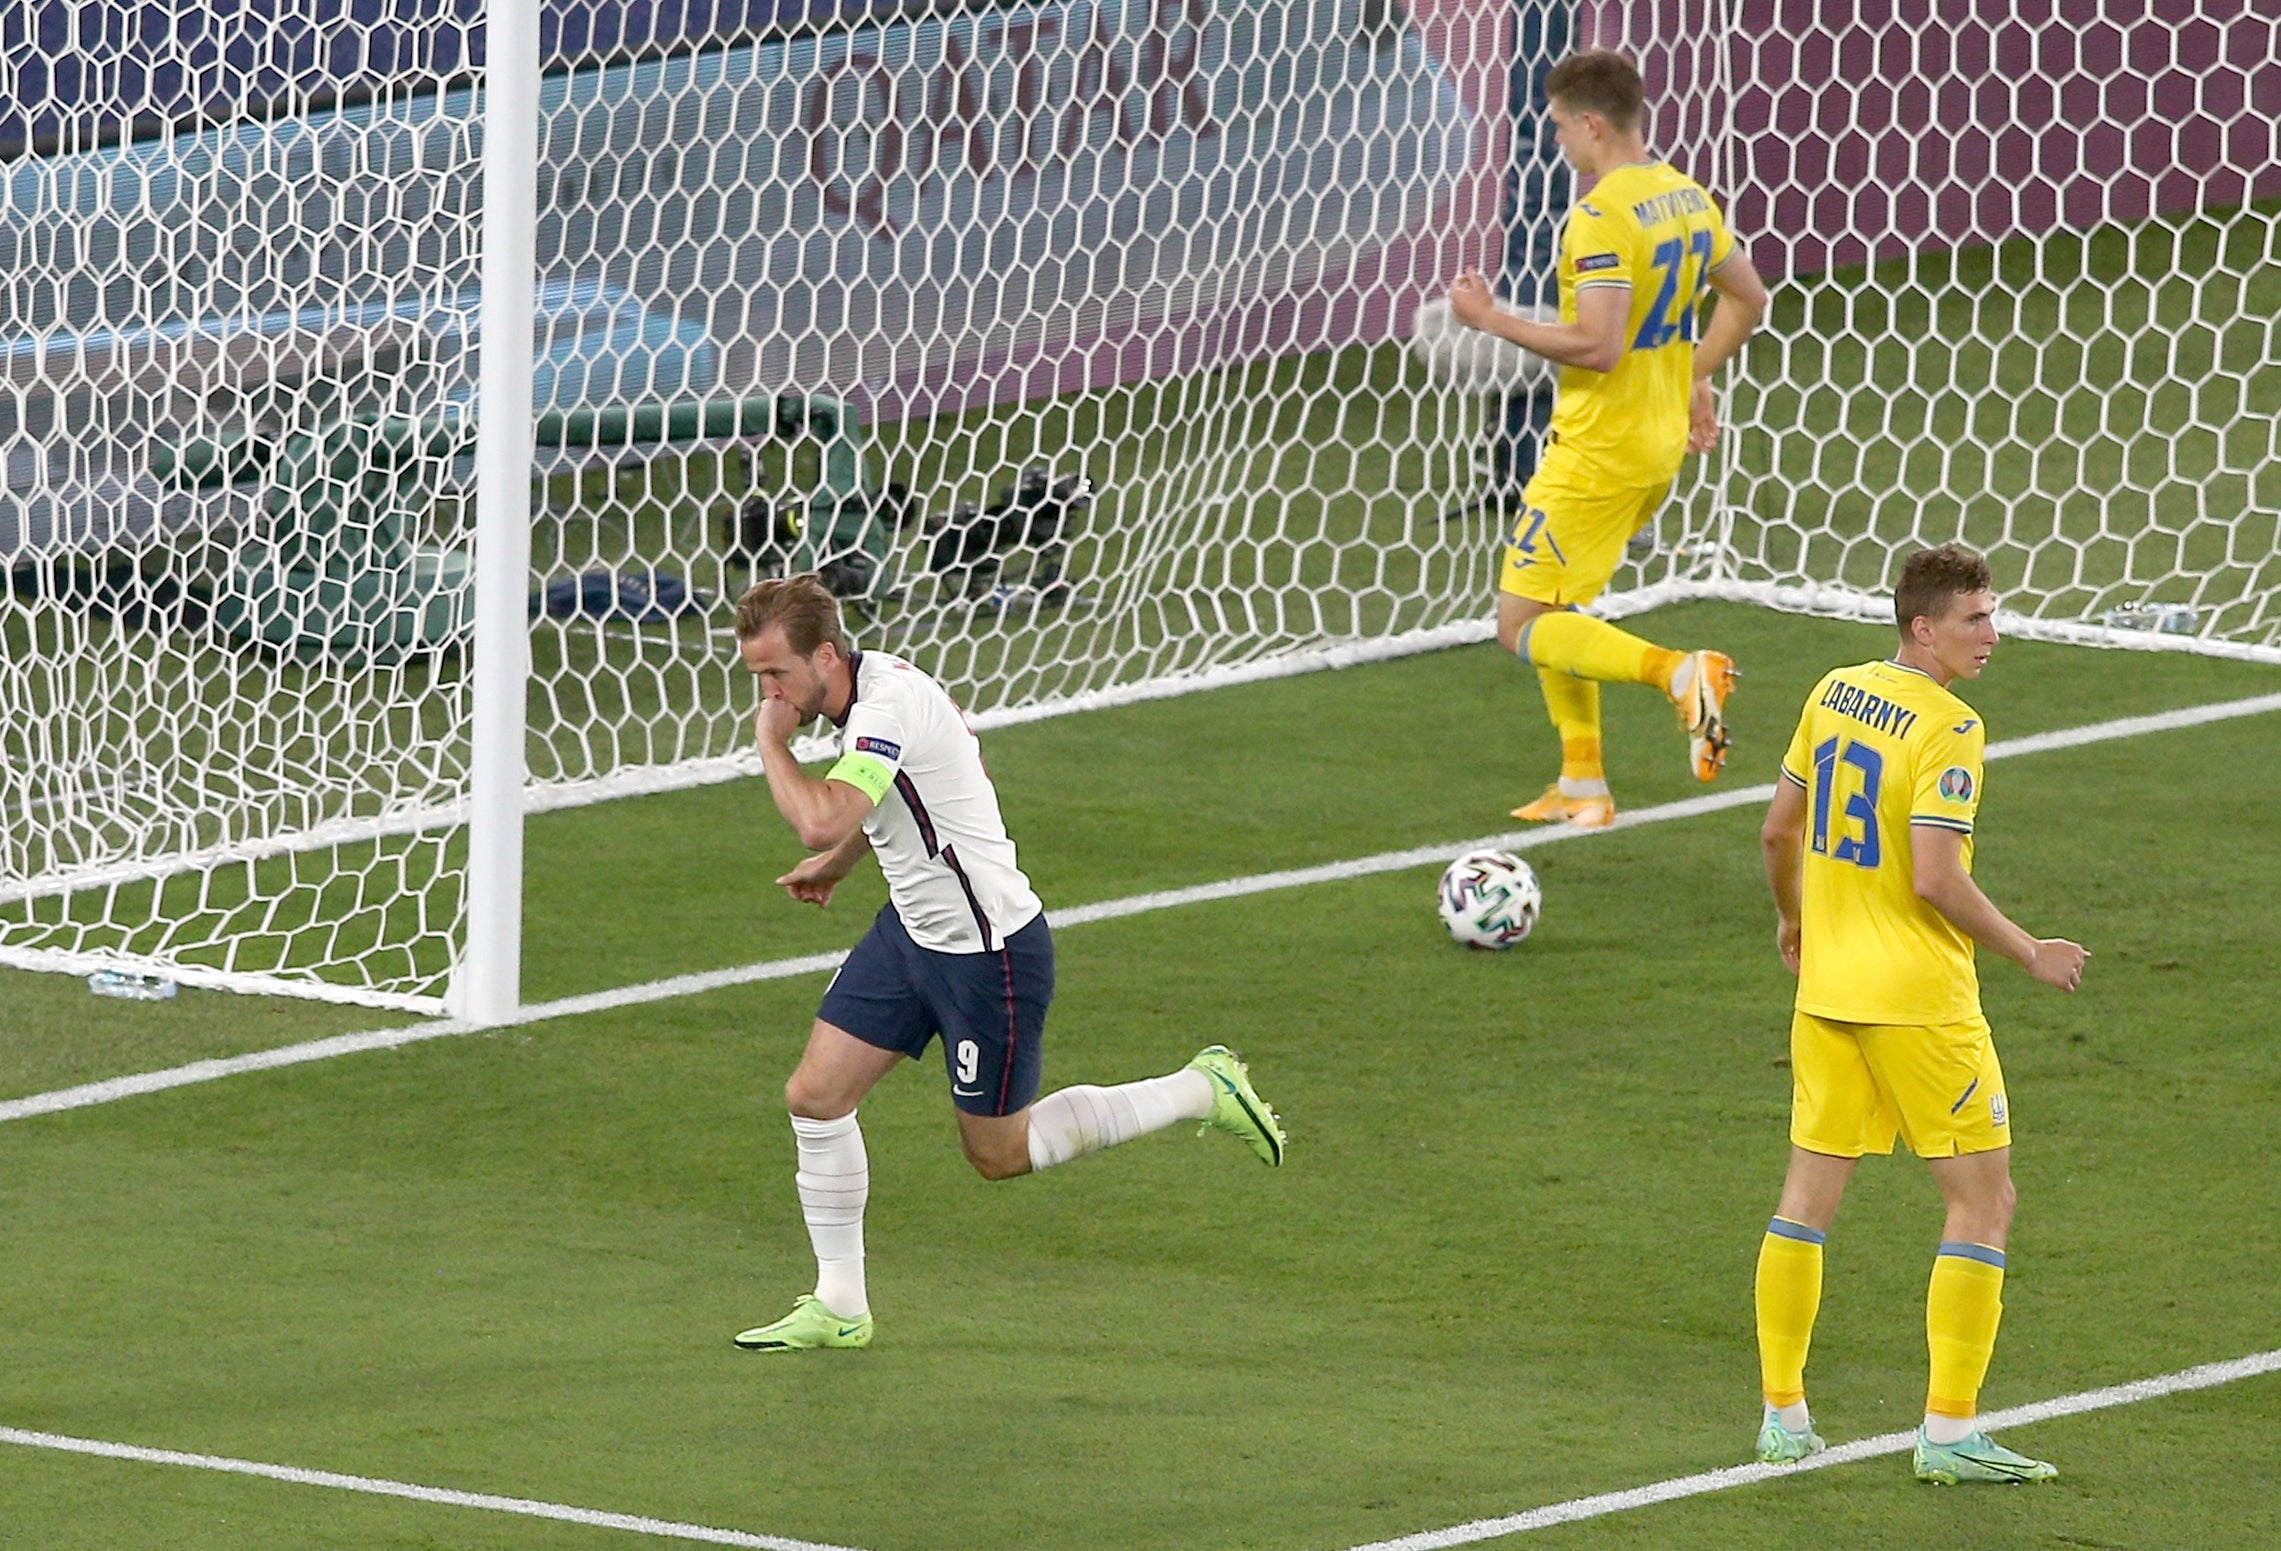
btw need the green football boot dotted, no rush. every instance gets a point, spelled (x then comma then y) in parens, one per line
(810, 1325)
(1977, 1458)
(1778, 1445)
(1237, 1107)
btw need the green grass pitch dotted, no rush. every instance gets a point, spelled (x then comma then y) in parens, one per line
(1508, 1264)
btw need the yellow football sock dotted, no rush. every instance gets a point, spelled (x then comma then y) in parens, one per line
(1789, 1296)
(1574, 704)
(1594, 649)
(1580, 758)
(1962, 1308)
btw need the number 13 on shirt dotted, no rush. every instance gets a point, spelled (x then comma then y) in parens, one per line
(1829, 758)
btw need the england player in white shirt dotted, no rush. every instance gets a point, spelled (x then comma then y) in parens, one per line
(960, 950)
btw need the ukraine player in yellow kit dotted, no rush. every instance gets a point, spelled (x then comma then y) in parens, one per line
(1868, 849)
(1638, 255)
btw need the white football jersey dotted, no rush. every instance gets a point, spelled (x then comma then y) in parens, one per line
(937, 831)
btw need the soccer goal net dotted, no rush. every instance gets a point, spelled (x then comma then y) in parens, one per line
(2029, 256)
(1067, 341)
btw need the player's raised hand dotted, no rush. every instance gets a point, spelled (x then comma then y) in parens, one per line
(1471, 301)
(2058, 963)
(812, 882)
(1702, 417)
(775, 722)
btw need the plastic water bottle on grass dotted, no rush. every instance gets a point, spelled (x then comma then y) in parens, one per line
(2163, 618)
(129, 986)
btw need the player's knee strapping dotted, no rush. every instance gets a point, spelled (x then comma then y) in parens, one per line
(1963, 1306)
(1789, 1296)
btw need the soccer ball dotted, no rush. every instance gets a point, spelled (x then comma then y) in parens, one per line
(1489, 899)
(1469, 361)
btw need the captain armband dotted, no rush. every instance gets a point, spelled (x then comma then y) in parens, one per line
(866, 774)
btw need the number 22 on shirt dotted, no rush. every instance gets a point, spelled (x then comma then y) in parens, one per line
(1680, 297)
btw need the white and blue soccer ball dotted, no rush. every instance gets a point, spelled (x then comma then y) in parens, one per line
(1490, 899)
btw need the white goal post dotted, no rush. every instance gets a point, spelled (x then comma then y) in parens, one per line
(394, 396)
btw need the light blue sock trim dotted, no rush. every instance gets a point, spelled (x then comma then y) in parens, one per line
(1979, 1252)
(1784, 1228)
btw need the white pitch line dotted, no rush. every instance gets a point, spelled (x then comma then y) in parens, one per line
(1105, 910)
(115, 1088)
(527, 1507)
(2207, 1376)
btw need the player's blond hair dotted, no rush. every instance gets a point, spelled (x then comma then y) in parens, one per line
(1601, 81)
(809, 614)
(1930, 577)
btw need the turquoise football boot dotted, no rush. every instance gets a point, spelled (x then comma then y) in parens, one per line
(1778, 1445)
(1973, 1459)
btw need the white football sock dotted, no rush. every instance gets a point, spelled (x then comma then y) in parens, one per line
(1950, 1429)
(1683, 680)
(835, 1181)
(1071, 1122)
(1794, 1415)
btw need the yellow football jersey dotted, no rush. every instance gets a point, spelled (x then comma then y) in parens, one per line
(1880, 748)
(1653, 229)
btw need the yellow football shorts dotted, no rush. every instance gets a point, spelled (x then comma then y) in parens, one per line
(1571, 534)
(1855, 1086)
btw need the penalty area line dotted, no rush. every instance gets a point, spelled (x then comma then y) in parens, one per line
(112, 1089)
(443, 1496)
(2207, 1376)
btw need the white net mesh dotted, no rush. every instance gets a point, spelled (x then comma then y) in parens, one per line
(2033, 255)
(1083, 295)
(220, 698)
(1062, 337)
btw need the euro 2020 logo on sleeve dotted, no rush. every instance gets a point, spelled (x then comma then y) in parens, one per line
(1956, 784)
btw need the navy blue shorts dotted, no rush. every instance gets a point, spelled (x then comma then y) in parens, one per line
(989, 1008)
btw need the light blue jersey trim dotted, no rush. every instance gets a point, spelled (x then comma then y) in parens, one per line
(1784, 1228)
(1979, 1252)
